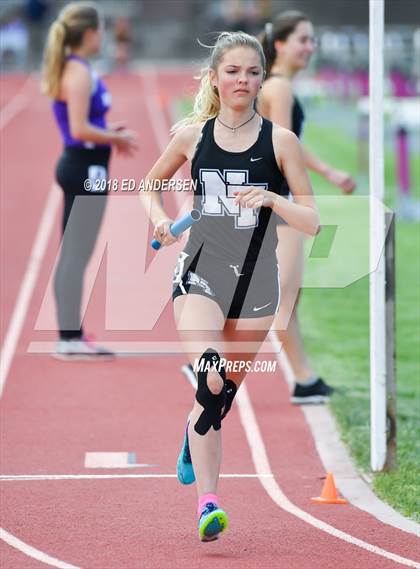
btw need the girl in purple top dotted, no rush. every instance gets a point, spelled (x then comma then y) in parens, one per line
(80, 104)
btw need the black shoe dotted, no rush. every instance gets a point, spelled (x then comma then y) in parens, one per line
(319, 392)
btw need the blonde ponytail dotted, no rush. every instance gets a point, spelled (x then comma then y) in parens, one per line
(207, 101)
(53, 59)
(66, 32)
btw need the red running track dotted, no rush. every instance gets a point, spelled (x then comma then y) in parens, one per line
(54, 412)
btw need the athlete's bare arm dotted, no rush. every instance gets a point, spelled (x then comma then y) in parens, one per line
(179, 150)
(301, 213)
(275, 101)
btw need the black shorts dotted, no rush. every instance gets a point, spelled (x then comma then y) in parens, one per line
(250, 291)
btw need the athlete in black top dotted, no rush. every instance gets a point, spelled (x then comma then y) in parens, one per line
(296, 125)
(298, 115)
(218, 174)
(288, 46)
(226, 288)
(222, 269)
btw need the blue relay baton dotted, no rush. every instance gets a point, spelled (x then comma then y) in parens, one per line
(181, 225)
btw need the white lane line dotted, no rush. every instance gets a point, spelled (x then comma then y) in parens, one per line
(270, 485)
(35, 477)
(130, 349)
(261, 463)
(336, 458)
(25, 293)
(16, 104)
(7, 114)
(33, 552)
(18, 317)
(282, 359)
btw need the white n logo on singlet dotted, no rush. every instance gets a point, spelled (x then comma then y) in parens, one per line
(218, 198)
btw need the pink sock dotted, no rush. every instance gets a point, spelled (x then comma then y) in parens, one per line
(205, 499)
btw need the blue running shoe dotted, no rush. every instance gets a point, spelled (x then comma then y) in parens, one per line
(184, 467)
(213, 521)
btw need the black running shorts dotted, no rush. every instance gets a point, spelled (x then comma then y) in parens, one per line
(250, 291)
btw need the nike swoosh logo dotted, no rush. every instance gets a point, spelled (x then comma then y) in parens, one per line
(256, 159)
(257, 308)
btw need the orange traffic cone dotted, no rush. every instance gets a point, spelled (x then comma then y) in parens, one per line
(329, 493)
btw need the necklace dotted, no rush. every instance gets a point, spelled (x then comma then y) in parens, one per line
(234, 129)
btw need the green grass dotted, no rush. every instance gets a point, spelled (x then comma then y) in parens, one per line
(334, 145)
(336, 331)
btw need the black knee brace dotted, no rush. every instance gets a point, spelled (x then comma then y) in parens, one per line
(213, 404)
(230, 389)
